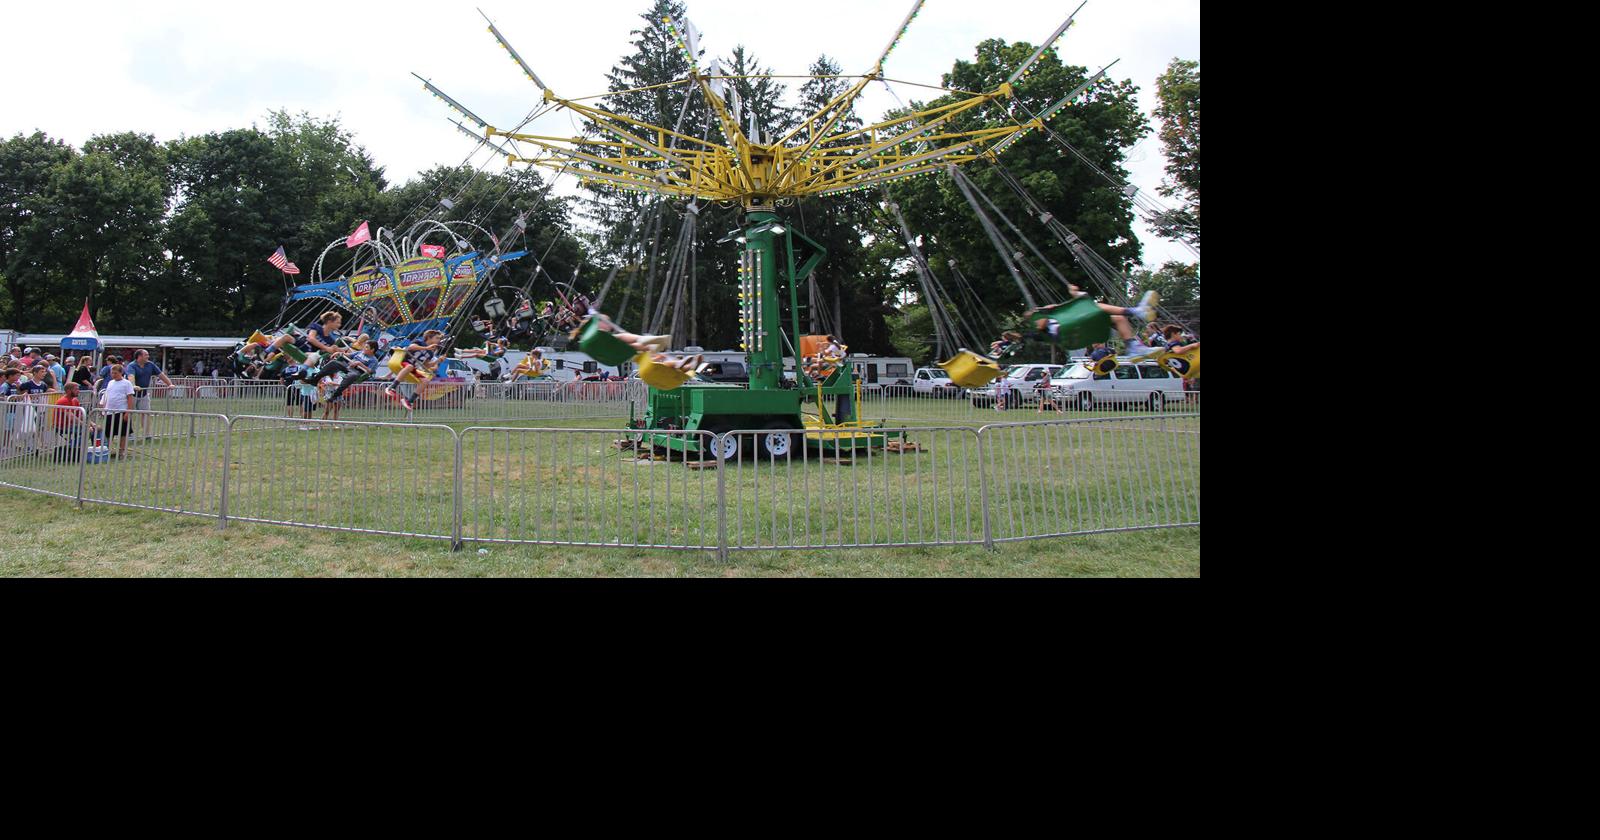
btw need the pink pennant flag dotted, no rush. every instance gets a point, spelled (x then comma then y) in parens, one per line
(435, 251)
(361, 235)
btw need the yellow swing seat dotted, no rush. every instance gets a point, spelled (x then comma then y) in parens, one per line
(258, 338)
(970, 370)
(602, 346)
(397, 363)
(657, 375)
(1104, 367)
(1186, 365)
(430, 391)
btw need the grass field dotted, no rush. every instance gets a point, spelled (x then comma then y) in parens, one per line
(116, 542)
(557, 484)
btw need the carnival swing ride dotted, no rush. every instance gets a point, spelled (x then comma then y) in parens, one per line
(737, 165)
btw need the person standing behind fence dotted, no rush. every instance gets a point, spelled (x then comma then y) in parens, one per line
(30, 390)
(8, 394)
(83, 373)
(116, 399)
(68, 423)
(143, 372)
(104, 375)
(56, 369)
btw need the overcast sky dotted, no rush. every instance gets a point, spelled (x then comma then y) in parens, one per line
(76, 69)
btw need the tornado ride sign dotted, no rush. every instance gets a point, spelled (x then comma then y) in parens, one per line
(420, 282)
(371, 287)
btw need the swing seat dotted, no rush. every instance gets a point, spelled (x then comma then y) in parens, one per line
(293, 352)
(428, 392)
(659, 376)
(1186, 365)
(258, 338)
(970, 370)
(1082, 322)
(1105, 367)
(602, 346)
(416, 376)
(397, 360)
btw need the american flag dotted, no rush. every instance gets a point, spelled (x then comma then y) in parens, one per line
(281, 260)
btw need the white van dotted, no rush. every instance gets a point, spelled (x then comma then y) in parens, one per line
(1145, 384)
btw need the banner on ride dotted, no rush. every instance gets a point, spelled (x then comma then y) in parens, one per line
(462, 282)
(371, 287)
(420, 282)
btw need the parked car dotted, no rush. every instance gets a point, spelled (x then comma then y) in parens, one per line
(733, 372)
(933, 382)
(1147, 384)
(1021, 379)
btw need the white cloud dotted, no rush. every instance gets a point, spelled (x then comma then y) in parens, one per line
(184, 67)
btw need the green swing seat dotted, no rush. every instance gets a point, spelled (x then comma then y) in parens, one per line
(293, 352)
(1082, 322)
(602, 346)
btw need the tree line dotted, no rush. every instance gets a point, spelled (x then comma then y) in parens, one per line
(173, 237)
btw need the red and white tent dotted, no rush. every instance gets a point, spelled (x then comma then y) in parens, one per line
(84, 336)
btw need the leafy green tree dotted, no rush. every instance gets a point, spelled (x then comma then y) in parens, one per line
(495, 201)
(1178, 109)
(1102, 123)
(95, 233)
(1179, 286)
(301, 183)
(26, 164)
(238, 204)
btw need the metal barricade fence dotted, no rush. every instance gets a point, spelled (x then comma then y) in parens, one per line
(793, 488)
(166, 461)
(42, 447)
(589, 487)
(1061, 478)
(374, 478)
(747, 490)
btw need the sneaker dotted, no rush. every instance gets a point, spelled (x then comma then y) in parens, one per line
(1137, 350)
(1146, 310)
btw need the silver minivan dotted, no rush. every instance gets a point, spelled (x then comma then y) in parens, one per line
(1147, 384)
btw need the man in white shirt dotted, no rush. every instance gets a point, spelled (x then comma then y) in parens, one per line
(116, 399)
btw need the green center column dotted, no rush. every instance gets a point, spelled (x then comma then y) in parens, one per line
(760, 322)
